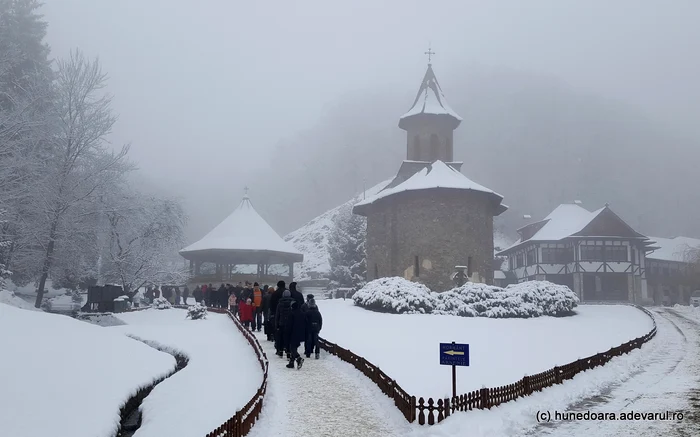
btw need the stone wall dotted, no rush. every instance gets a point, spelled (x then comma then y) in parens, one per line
(443, 228)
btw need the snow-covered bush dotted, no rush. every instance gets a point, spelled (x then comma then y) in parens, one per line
(395, 295)
(161, 303)
(529, 299)
(551, 299)
(196, 312)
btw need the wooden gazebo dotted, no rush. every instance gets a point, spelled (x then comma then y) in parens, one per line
(243, 238)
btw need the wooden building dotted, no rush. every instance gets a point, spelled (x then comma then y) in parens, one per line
(596, 254)
(672, 272)
(431, 217)
(243, 238)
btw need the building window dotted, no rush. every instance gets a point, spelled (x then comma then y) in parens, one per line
(416, 267)
(557, 255)
(519, 260)
(376, 271)
(416, 147)
(434, 147)
(531, 257)
(616, 253)
(591, 253)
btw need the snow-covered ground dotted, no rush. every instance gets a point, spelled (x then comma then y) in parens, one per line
(325, 398)
(64, 377)
(222, 375)
(502, 351)
(10, 298)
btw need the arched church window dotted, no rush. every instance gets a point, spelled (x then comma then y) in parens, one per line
(416, 148)
(434, 147)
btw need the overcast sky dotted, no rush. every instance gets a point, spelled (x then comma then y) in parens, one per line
(205, 89)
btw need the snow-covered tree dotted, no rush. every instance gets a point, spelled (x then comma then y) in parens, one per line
(144, 234)
(83, 165)
(346, 249)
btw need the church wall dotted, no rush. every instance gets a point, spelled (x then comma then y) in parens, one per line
(441, 229)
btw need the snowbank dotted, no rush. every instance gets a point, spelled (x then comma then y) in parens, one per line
(222, 375)
(528, 299)
(10, 298)
(406, 346)
(64, 377)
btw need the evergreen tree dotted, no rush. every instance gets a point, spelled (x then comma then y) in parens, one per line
(346, 248)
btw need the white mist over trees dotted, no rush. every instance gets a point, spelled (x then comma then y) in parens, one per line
(531, 138)
(60, 179)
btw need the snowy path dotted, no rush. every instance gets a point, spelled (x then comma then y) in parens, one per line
(667, 381)
(325, 398)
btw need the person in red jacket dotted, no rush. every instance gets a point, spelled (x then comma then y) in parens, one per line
(246, 312)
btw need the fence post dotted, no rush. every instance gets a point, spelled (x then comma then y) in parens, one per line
(412, 409)
(526, 385)
(446, 404)
(484, 401)
(557, 375)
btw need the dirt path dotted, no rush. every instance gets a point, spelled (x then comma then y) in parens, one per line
(325, 398)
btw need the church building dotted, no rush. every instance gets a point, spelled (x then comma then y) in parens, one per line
(430, 218)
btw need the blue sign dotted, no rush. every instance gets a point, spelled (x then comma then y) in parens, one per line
(454, 354)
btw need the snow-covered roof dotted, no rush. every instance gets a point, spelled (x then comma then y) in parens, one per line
(244, 229)
(430, 99)
(674, 249)
(566, 220)
(436, 175)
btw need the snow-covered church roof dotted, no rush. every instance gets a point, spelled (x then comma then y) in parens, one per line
(435, 175)
(430, 100)
(243, 230)
(677, 249)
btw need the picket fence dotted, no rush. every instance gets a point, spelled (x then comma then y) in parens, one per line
(433, 411)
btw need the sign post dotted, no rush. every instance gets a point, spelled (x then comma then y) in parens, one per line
(454, 354)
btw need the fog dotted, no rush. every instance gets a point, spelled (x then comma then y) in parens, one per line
(216, 95)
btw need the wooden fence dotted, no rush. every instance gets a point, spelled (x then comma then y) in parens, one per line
(241, 423)
(435, 411)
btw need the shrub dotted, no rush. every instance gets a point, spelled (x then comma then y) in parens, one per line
(196, 312)
(530, 299)
(161, 303)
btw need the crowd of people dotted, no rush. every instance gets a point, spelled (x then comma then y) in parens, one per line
(286, 317)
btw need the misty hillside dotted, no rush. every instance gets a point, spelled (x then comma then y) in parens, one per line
(533, 139)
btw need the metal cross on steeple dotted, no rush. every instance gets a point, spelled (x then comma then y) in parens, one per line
(430, 54)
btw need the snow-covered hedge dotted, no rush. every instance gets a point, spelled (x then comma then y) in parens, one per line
(161, 303)
(528, 299)
(196, 312)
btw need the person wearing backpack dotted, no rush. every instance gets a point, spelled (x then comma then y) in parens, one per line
(314, 323)
(282, 315)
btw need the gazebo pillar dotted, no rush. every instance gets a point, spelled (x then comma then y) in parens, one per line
(191, 267)
(197, 267)
(291, 271)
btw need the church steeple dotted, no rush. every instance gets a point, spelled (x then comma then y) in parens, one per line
(430, 122)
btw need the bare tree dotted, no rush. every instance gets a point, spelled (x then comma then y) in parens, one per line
(82, 165)
(144, 236)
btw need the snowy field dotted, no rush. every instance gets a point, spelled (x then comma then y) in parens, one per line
(64, 377)
(502, 351)
(223, 372)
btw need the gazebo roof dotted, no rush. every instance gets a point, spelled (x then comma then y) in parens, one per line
(243, 237)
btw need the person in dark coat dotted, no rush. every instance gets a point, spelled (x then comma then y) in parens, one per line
(276, 296)
(156, 293)
(282, 315)
(185, 295)
(305, 307)
(267, 317)
(178, 294)
(222, 297)
(314, 323)
(297, 296)
(197, 294)
(295, 334)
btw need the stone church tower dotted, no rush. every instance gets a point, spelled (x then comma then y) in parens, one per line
(431, 217)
